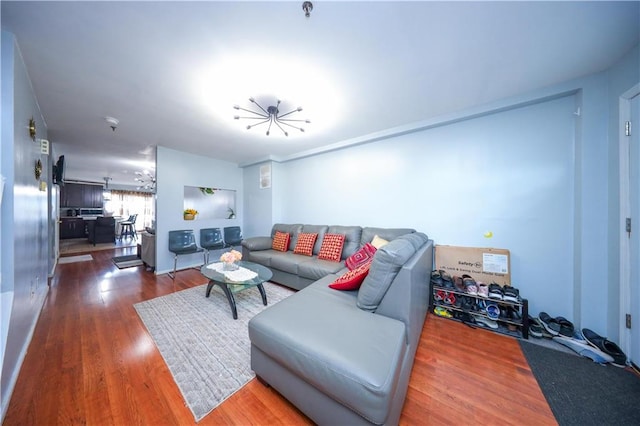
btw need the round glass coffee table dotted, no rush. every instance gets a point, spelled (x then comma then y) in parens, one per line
(231, 287)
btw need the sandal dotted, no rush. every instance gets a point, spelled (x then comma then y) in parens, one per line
(457, 282)
(510, 294)
(495, 291)
(436, 278)
(470, 286)
(549, 324)
(446, 279)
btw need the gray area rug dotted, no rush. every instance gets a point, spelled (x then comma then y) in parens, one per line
(127, 261)
(206, 350)
(581, 392)
(75, 259)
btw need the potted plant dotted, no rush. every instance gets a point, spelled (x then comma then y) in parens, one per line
(190, 214)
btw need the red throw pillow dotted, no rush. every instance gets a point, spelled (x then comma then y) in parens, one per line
(281, 241)
(352, 279)
(305, 243)
(331, 248)
(362, 256)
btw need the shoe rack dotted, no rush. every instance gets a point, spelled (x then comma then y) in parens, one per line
(512, 327)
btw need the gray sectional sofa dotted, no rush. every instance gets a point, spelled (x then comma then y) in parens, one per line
(343, 357)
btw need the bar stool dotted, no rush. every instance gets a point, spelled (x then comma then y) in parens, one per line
(128, 227)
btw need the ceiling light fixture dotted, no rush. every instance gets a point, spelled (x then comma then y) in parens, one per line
(106, 193)
(307, 6)
(272, 116)
(112, 122)
(147, 180)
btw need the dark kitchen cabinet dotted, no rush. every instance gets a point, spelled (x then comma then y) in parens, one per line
(81, 195)
(72, 227)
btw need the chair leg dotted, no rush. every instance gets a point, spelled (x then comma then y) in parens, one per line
(175, 264)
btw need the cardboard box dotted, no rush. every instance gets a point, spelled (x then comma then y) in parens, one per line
(488, 265)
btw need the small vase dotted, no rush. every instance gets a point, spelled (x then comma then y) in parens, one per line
(188, 216)
(230, 266)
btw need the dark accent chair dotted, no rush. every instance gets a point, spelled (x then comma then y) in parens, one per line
(101, 230)
(180, 243)
(210, 239)
(232, 236)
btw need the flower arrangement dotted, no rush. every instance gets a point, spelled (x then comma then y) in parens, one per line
(231, 256)
(191, 211)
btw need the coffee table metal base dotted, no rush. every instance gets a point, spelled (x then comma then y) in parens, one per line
(231, 298)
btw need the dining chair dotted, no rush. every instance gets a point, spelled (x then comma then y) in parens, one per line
(232, 236)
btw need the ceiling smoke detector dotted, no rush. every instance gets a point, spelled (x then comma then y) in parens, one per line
(112, 122)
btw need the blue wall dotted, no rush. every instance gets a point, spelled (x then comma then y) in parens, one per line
(536, 170)
(174, 170)
(24, 220)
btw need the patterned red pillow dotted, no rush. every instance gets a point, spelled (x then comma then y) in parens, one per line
(305, 243)
(331, 248)
(352, 279)
(281, 241)
(362, 256)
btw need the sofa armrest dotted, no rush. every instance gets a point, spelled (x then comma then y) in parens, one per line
(257, 243)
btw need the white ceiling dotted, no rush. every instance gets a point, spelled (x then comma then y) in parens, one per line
(171, 71)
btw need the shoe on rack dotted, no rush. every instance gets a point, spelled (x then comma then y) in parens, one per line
(606, 346)
(436, 278)
(457, 283)
(470, 286)
(483, 289)
(510, 294)
(493, 311)
(495, 291)
(481, 320)
(581, 347)
(442, 312)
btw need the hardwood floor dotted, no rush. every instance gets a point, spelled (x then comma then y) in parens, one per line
(92, 362)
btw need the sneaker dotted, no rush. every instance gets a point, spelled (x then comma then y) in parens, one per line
(535, 329)
(495, 291)
(442, 312)
(485, 321)
(581, 347)
(550, 324)
(606, 346)
(483, 289)
(493, 311)
(510, 294)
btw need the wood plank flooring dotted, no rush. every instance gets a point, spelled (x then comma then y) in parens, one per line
(92, 362)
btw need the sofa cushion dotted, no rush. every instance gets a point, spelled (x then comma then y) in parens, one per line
(331, 248)
(292, 229)
(346, 353)
(352, 237)
(287, 262)
(378, 242)
(385, 233)
(362, 256)
(314, 268)
(385, 266)
(281, 241)
(317, 229)
(306, 241)
(263, 257)
(351, 280)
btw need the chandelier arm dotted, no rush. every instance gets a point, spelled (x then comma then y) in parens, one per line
(292, 119)
(290, 125)
(260, 106)
(254, 112)
(290, 112)
(257, 124)
(280, 127)
(262, 117)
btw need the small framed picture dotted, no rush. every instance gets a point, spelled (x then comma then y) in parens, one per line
(265, 176)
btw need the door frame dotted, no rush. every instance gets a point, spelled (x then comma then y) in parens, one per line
(624, 108)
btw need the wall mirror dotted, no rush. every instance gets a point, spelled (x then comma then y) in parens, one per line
(211, 203)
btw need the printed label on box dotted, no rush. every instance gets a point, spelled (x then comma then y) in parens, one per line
(498, 263)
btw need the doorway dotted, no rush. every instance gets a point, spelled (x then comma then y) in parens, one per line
(629, 210)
